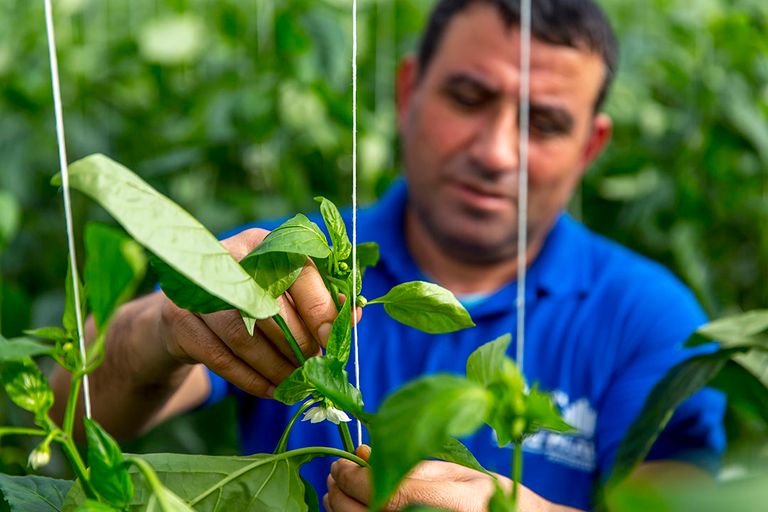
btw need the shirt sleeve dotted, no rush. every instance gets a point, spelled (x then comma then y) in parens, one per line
(661, 316)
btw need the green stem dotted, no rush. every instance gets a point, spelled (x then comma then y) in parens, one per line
(69, 412)
(21, 431)
(289, 337)
(151, 477)
(283, 442)
(312, 450)
(346, 437)
(70, 451)
(517, 470)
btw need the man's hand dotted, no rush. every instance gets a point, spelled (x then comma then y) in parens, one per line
(258, 363)
(435, 483)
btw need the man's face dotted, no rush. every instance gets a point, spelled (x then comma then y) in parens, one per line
(459, 129)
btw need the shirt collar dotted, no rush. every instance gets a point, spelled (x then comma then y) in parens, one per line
(560, 269)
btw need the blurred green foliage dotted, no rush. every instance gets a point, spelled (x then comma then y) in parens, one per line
(242, 109)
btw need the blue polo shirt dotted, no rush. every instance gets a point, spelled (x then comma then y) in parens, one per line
(603, 325)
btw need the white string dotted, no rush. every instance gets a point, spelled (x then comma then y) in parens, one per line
(54, 63)
(522, 214)
(354, 206)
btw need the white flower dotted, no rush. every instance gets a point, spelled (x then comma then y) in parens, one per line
(40, 456)
(321, 412)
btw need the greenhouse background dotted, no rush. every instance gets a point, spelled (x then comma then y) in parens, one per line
(241, 110)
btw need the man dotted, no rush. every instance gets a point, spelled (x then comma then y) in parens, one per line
(603, 324)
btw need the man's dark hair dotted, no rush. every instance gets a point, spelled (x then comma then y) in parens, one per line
(580, 24)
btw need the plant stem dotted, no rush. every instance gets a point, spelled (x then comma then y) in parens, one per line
(517, 469)
(289, 337)
(283, 442)
(69, 412)
(151, 477)
(21, 431)
(70, 451)
(346, 437)
(312, 450)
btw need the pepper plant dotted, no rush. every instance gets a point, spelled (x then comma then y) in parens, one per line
(197, 273)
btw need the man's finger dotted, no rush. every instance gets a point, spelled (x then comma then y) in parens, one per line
(338, 501)
(200, 343)
(299, 330)
(351, 479)
(313, 303)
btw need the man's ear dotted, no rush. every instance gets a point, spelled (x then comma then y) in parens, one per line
(602, 129)
(407, 76)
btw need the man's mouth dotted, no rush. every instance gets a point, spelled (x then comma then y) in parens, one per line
(480, 197)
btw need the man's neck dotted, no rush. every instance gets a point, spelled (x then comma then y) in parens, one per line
(460, 277)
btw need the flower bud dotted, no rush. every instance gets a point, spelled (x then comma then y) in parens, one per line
(40, 456)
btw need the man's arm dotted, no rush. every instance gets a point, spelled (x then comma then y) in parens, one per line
(151, 369)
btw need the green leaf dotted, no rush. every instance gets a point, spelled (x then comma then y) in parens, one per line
(310, 497)
(49, 333)
(114, 267)
(744, 389)
(329, 378)
(184, 292)
(507, 414)
(454, 451)
(339, 341)
(170, 233)
(295, 388)
(540, 413)
(367, 256)
(34, 493)
(223, 484)
(95, 506)
(298, 235)
(274, 271)
(680, 382)
(745, 329)
(165, 500)
(23, 348)
(27, 387)
(425, 306)
(415, 422)
(108, 471)
(484, 364)
(342, 247)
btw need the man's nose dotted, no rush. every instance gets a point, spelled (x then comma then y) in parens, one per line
(496, 145)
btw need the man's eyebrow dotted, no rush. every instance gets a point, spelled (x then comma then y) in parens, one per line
(559, 115)
(465, 79)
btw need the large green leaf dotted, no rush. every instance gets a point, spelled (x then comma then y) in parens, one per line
(23, 348)
(750, 328)
(415, 422)
(680, 382)
(274, 271)
(298, 235)
(49, 333)
(114, 267)
(184, 292)
(339, 341)
(485, 363)
(224, 484)
(328, 376)
(26, 386)
(425, 306)
(33, 493)
(108, 471)
(342, 247)
(170, 233)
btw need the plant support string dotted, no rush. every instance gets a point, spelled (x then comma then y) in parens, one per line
(353, 304)
(58, 114)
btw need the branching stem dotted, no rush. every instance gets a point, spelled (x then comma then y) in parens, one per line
(283, 442)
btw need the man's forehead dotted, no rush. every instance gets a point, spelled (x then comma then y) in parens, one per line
(477, 42)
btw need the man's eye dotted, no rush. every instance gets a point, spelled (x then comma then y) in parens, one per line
(466, 98)
(547, 127)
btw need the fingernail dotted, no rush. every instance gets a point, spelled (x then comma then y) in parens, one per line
(324, 332)
(271, 391)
